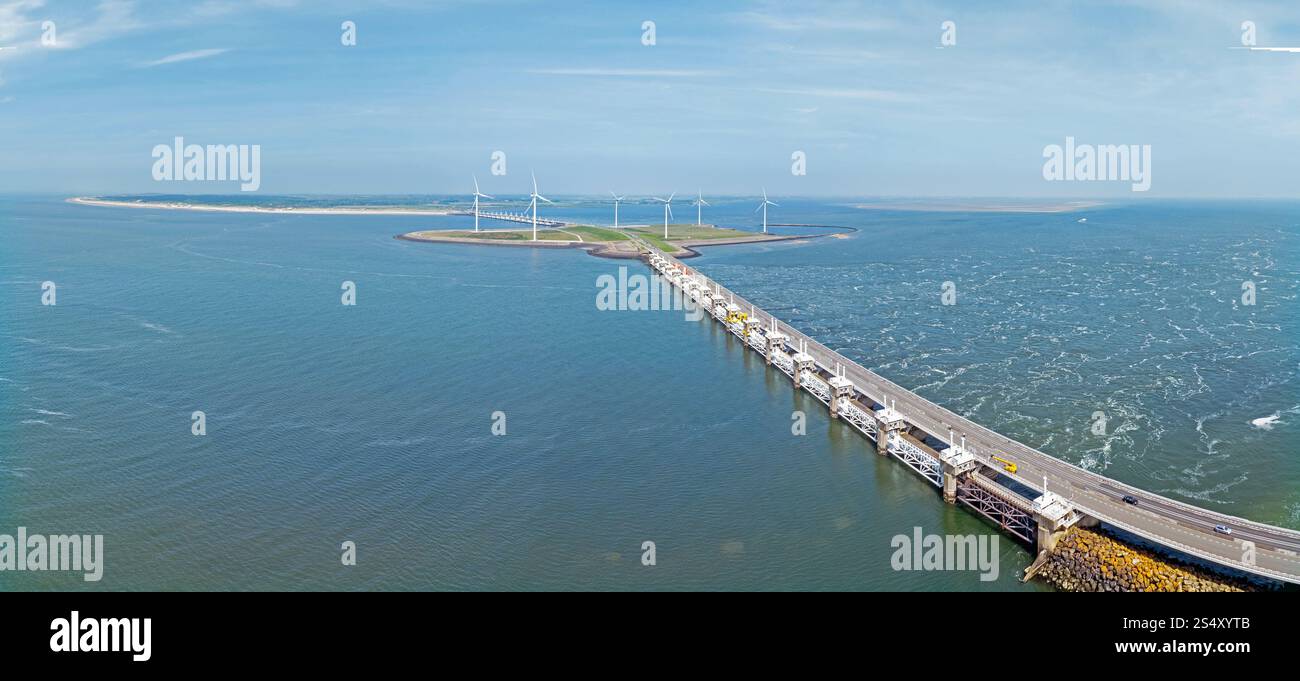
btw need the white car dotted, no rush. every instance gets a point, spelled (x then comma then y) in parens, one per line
(1223, 529)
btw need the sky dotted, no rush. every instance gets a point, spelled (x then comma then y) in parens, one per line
(720, 102)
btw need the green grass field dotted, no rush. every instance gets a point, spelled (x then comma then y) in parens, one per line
(584, 232)
(678, 232)
(684, 232)
(594, 234)
(590, 233)
(542, 235)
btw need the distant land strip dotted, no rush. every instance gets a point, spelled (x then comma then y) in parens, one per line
(227, 208)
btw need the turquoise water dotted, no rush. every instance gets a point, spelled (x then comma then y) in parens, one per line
(372, 423)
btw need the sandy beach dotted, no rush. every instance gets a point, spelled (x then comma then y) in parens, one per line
(336, 210)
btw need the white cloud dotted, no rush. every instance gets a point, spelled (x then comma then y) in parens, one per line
(842, 93)
(807, 22)
(187, 56)
(115, 18)
(628, 73)
(21, 26)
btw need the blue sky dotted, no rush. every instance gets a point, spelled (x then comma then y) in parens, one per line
(721, 101)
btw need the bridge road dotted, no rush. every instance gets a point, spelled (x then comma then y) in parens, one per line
(1156, 518)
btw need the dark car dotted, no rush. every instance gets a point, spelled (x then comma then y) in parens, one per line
(1130, 499)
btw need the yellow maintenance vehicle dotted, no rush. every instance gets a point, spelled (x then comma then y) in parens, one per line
(739, 318)
(1008, 466)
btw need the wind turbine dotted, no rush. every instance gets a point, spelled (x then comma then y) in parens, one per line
(699, 201)
(477, 194)
(617, 198)
(668, 210)
(533, 204)
(764, 206)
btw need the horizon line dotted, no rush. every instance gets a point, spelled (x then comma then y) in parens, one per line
(649, 195)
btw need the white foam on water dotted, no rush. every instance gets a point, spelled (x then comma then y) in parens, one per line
(1267, 422)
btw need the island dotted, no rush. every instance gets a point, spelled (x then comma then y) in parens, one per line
(608, 242)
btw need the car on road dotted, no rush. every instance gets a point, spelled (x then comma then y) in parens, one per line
(1130, 499)
(1223, 529)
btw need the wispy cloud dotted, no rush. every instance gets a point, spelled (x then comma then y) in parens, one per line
(187, 56)
(22, 26)
(114, 18)
(808, 22)
(843, 93)
(628, 73)
(840, 56)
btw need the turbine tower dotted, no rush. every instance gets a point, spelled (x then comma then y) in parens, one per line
(764, 206)
(617, 198)
(477, 194)
(533, 204)
(668, 210)
(699, 201)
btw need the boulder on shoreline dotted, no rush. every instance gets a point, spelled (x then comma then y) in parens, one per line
(1087, 560)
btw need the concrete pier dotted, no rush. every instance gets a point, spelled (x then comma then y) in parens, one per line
(775, 343)
(957, 462)
(888, 422)
(841, 388)
(802, 362)
(1054, 516)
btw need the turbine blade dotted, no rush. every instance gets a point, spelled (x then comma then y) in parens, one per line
(475, 183)
(670, 196)
(535, 181)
